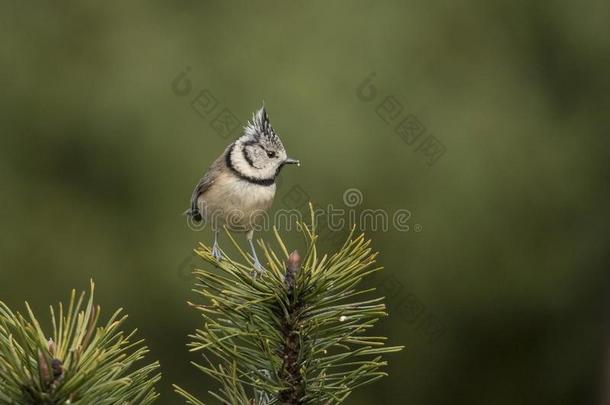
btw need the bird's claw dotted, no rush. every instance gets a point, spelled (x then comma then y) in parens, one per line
(257, 268)
(216, 252)
(256, 264)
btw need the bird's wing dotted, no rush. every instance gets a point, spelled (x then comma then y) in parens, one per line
(205, 183)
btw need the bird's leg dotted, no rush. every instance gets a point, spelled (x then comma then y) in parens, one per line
(215, 248)
(257, 264)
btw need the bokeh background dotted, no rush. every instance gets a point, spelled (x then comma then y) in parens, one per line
(99, 154)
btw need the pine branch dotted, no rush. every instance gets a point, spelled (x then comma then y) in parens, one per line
(82, 363)
(298, 334)
(291, 370)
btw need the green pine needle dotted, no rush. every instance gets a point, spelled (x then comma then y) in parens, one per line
(297, 333)
(82, 363)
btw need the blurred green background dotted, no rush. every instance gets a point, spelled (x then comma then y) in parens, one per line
(98, 157)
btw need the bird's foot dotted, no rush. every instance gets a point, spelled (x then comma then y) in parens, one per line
(216, 252)
(257, 269)
(256, 264)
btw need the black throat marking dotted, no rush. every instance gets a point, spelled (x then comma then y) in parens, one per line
(249, 179)
(245, 154)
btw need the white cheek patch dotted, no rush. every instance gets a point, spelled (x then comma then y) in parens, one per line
(244, 167)
(256, 155)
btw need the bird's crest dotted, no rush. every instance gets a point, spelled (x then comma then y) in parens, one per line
(260, 126)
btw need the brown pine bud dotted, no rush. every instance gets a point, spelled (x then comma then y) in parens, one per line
(51, 346)
(293, 265)
(56, 366)
(43, 369)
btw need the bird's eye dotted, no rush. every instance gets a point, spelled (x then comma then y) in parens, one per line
(270, 154)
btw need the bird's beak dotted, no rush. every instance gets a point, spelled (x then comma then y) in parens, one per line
(290, 161)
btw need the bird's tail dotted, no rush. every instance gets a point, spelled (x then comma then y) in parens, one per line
(194, 214)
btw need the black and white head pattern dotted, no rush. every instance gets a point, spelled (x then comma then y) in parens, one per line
(258, 155)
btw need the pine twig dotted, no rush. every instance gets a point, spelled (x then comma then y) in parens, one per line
(297, 334)
(81, 363)
(291, 374)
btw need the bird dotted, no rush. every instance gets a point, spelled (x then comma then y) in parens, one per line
(240, 184)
